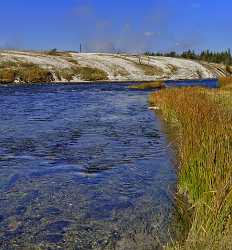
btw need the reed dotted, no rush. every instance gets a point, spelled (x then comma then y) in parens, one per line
(203, 131)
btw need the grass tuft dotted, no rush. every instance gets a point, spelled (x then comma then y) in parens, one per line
(148, 85)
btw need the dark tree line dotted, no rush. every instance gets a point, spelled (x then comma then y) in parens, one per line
(223, 57)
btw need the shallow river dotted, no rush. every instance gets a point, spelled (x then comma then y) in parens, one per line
(82, 167)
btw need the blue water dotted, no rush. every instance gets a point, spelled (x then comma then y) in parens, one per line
(82, 166)
(209, 83)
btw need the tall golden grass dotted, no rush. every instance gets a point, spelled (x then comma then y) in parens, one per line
(203, 130)
(225, 82)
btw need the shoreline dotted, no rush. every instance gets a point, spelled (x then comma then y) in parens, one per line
(107, 82)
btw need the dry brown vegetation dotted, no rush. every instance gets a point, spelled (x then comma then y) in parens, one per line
(201, 120)
(119, 71)
(143, 64)
(55, 52)
(11, 71)
(226, 82)
(150, 70)
(148, 85)
(173, 68)
(84, 73)
(7, 76)
(20, 71)
(91, 74)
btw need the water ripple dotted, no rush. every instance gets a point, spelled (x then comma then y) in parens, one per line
(72, 156)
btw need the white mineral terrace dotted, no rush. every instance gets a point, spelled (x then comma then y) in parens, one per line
(121, 67)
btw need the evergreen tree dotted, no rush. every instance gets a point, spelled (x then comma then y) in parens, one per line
(223, 57)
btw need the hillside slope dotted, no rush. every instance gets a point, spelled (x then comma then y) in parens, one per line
(76, 67)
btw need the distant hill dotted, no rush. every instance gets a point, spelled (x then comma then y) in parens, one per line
(29, 67)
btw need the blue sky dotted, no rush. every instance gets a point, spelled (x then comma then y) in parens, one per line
(120, 25)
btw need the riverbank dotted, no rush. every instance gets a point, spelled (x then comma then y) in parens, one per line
(55, 67)
(202, 123)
